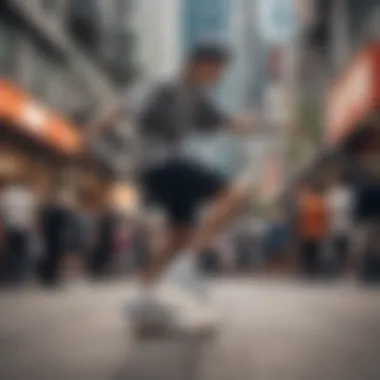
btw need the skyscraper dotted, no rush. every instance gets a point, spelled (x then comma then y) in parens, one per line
(205, 20)
(158, 36)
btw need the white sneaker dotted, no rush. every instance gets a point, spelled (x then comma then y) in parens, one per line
(178, 302)
(184, 290)
(190, 312)
(145, 309)
(185, 273)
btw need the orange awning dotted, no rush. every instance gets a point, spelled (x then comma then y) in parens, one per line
(32, 118)
(354, 96)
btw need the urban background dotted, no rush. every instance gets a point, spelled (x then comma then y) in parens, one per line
(307, 72)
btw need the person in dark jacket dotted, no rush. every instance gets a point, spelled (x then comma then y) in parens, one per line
(54, 221)
(103, 243)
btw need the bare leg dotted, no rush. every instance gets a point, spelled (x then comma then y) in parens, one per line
(177, 238)
(221, 213)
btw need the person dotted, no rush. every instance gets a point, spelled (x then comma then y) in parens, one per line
(18, 213)
(277, 238)
(55, 220)
(78, 238)
(180, 183)
(365, 256)
(103, 240)
(313, 228)
(340, 204)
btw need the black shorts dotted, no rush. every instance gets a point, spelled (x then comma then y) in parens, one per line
(180, 187)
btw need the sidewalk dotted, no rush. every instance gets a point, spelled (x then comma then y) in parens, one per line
(274, 330)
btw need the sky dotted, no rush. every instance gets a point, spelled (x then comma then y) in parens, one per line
(277, 20)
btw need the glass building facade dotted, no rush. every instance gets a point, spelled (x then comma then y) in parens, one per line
(205, 20)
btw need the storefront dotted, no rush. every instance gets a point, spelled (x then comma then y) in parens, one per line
(353, 128)
(353, 103)
(352, 119)
(37, 145)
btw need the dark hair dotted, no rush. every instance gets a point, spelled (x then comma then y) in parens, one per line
(209, 52)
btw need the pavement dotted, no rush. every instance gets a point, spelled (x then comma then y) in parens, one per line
(272, 330)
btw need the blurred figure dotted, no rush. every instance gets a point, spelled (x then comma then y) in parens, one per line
(123, 254)
(246, 238)
(79, 238)
(340, 201)
(150, 237)
(18, 210)
(180, 184)
(102, 247)
(367, 215)
(211, 259)
(277, 239)
(312, 228)
(55, 222)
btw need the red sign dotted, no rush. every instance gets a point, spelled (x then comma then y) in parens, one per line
(354, 95)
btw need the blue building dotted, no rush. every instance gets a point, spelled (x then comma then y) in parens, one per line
(205, 20)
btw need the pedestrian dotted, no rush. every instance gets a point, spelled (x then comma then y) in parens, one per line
(366, 252)
(277, 240)
(103, 233)
(54, 221)
(180, 183)
(312, 228)
(18, 207)
(340, 207)
(122, 261)
(79, 237)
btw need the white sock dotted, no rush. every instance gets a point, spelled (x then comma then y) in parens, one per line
(185, 272)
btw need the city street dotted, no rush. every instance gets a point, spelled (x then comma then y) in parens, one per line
(273, 329)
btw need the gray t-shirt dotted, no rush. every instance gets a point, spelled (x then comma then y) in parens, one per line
(169, 115)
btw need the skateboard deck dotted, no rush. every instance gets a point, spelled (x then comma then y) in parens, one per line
(154, 331)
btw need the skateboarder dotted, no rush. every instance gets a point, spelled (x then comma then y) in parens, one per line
(180, 184)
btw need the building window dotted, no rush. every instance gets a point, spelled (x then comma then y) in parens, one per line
(84, 23)
(8, 49)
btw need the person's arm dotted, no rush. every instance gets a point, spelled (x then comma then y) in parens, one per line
(105, 120)
(141, 105)
(236, 124)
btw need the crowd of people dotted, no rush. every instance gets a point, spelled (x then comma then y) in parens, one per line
(336, 225)
(59, 237)
(65, 240)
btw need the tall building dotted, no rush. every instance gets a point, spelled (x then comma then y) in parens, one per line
(158, 35)
(105, 30)
(205, 19)
(54, 74)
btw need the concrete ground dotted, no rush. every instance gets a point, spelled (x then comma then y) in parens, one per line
(273, 330)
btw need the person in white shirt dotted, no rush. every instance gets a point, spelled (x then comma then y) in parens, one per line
(18, 215)
(340, 202)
